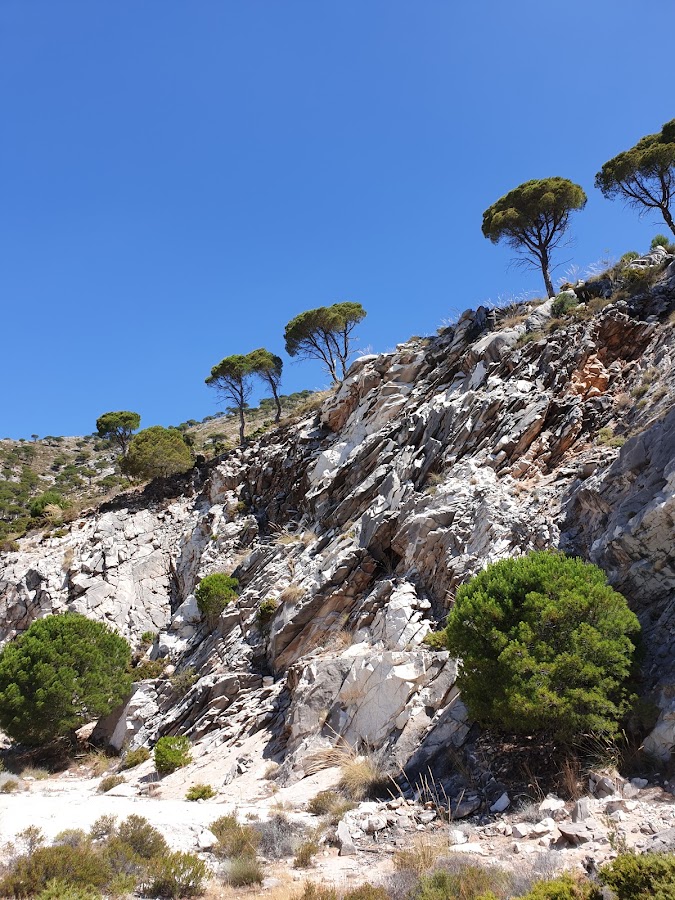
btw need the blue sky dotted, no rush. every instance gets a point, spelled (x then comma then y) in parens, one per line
(180, 179)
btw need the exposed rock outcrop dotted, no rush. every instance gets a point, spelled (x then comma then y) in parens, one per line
(361, 520)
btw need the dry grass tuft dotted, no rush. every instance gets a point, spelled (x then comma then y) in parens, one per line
(363, 778)
(422, 855)
(291, 593)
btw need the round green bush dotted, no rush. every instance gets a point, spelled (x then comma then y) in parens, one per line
(546, 646)
(172, 753)
(49, 498)
(649, 876)
(213, 594)
(156, 452)
(63, 671)
(659, 240)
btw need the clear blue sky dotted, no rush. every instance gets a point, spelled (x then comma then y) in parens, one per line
(179, 179)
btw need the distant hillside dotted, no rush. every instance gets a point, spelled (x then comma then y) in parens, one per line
(84, 471)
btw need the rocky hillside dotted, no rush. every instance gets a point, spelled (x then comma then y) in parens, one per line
(350, 530)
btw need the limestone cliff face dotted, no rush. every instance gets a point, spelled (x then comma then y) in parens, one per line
(361, 520)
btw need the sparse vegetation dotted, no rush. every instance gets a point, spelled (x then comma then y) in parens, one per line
(244, 871)
(234, 839)
(305, 854)
(109, 782)
(200, 792)
(213, 594)
(172, 753)
(135, 758)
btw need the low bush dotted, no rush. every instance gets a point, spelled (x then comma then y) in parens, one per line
(103, 828)
(470, 882)
(181, 682)
(304, 855)
(143, 838)
(435, 640)
(244, 870)
(175, 875)
(135, 758)
(563, 888)
(109, 782)
(200, 792)
(564, 303)
(9, 786)
(61, 890)
(74, 866)
(234, 839)
(148, 669)
(649, 876)
(366, 891)
(420, 856)
(266, 611)
(659, 240)
(279, 837)
(331, 805)
(172, 753)
(72, 837)
(213, 594)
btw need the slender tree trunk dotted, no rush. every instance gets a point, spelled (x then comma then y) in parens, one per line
(546, 272)
(242, 425)
(668, 218)
(276, 400)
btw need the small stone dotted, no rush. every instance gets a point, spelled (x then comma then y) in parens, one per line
(427, 817)
(347, 846)
(501, 804)
(521, 829)
(639, 783)
(582, 810)
(457, 837)
(206, 840)
(374, 824)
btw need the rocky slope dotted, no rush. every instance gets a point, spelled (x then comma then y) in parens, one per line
(360, 521)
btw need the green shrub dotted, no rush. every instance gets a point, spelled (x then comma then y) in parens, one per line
(156, 452)
(244, 870)
(565, 887)
(176, 875)
(659, 240)
(181, 682)
(60, 890)
(172, 753)
(366, 891)
(200, 792)
(63, 671)
(649, 876)
(9, 786)
(148, 669)
(213, 594)
(143, 838)
(330, 804)
(469, 882)
(436, 640)
(629, 257)
(148, 637)
(72, 837)
(266, 611)
(546, 646)
(109, 782)
(49, 498)
(75, 866)
(563, 304)
(135, 758)
(304, 856)
(234, 839)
